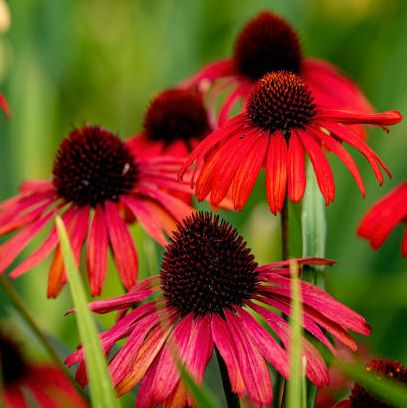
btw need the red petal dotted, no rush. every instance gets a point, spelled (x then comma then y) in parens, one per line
(246, 175)
(321, 166)
(97, 251)
(346, 158)
(296, 168)
(122, 244)
(276, 172)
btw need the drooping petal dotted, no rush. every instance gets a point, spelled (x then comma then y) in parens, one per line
(220, 135)
(317, 371)
(77, 231)
(97, 250)
(321, 167)
(267, 345)
(296, 168)
(276, 172)
(379, 221)
(321, 301)
(246, 175)
(148, 352)
(225, 344)
(4, 106)
(343, 155)
(345, 134)
(122, 244)
(45, 248)
(255, 372)
(10, 249)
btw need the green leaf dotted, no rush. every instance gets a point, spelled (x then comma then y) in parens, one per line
(202, 396)
(387, 390)
(313, 218)
(296, 388)
(100, 384)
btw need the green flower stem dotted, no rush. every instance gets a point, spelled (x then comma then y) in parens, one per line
(232, 399)
(22, 310)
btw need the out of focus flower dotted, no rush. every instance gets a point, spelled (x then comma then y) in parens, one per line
(266, 44)
(97, 185)
(383, 217)
(174, 123)
(44, 384)
(4, 106)
(361, 398)
(281, 122)
(205, 296)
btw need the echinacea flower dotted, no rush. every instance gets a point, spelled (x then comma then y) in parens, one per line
(280, 124)
(269, 43)
(22, 382)
(206, 294)
(383, 217)
(174, 123)
(361, 397)
(97, 185)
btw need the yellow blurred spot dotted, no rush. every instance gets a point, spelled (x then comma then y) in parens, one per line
(4, 17)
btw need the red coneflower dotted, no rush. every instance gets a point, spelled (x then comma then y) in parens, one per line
(47, 385)
(4, 106)
(269, 43)
(205, 295)
(361, 398)
(96, 183)
(383, 217)
(174, 123)
(280, 123)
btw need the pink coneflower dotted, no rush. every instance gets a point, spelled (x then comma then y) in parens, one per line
(280, 124)
(204, 298)
(266, 44)
(97, 182)
(361, 397)
(174, 123)
(22, 382)
(383, 217)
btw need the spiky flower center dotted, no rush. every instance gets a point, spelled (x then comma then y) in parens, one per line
(280, 101)
(12, 365)
(207, 267)
(390, 369)
(176, 114)
(93, 165)
(266, 44)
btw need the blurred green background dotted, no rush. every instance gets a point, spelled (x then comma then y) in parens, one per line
(64, 63)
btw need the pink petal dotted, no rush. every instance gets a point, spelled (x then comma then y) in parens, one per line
(317, 370)
(225, 344)
(267, 345)
(255, 372)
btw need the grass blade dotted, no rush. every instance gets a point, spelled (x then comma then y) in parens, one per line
(295, 388)
(202, 396)
(100, 384)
